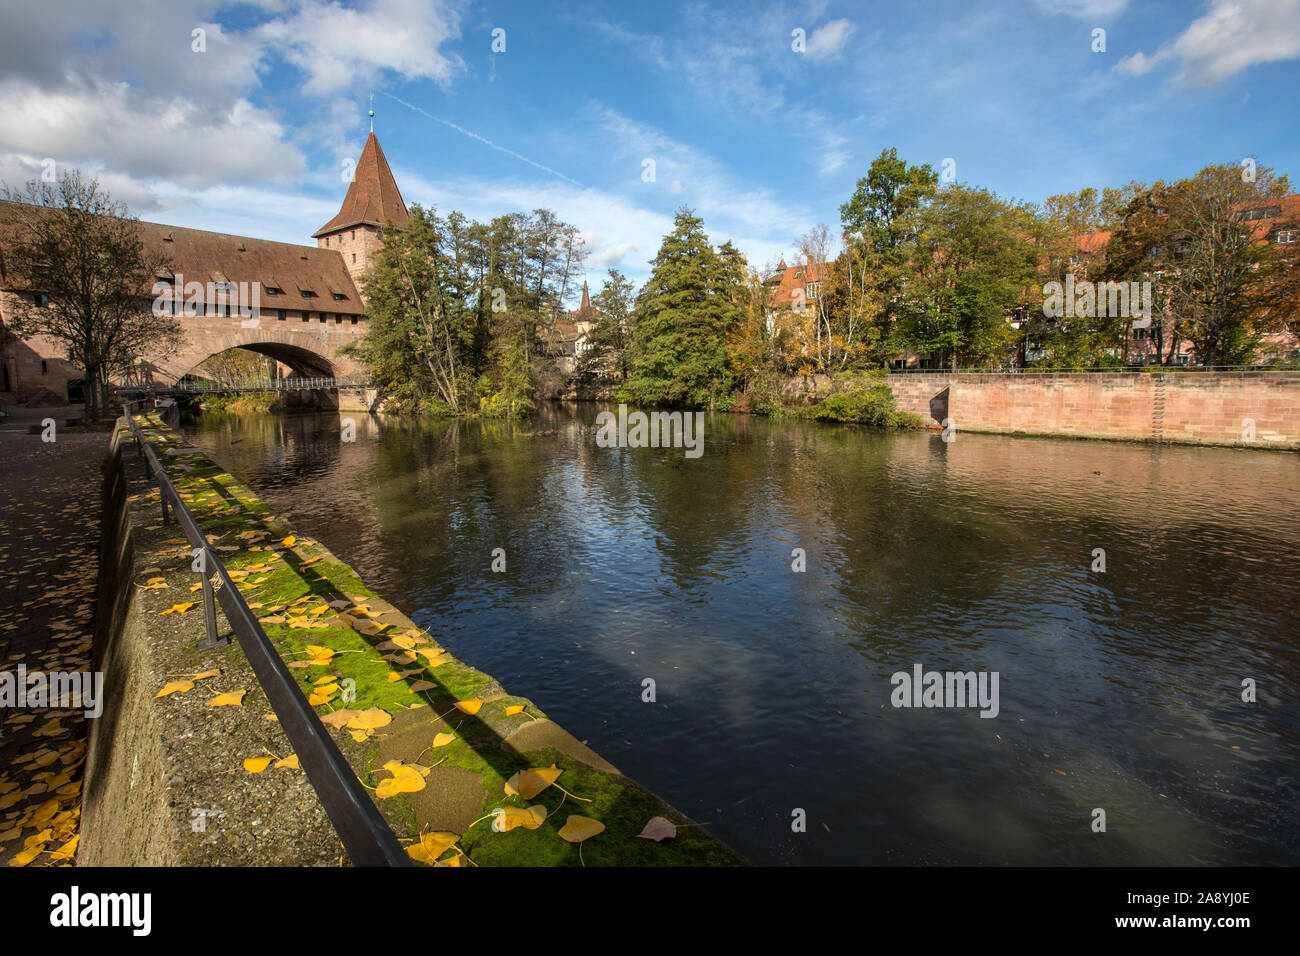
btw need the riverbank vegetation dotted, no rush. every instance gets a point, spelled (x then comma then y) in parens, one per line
(471, 318)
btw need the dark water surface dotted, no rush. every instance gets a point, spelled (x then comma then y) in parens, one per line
(1118, 690)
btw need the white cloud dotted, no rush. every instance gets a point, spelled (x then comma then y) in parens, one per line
(1232, 36)
(828, 41)
(120, 92)
(118, 127)
(336, 47)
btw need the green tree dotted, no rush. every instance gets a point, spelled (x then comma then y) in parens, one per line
(973, 263)
(684, 313)
(421, 332)
(880, 225)
(610, 339)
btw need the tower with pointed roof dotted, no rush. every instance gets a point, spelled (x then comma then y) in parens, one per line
(373, 199)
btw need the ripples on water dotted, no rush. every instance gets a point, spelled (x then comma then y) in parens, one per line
(1118, 690)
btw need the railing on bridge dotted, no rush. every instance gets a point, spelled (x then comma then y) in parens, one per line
(1096, 369)
(363, 830)
(264, 385)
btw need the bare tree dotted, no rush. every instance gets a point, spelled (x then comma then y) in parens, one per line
(85, 254)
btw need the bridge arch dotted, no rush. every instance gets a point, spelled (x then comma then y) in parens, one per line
(310, 349)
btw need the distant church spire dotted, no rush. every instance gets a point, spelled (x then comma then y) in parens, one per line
(586, 302)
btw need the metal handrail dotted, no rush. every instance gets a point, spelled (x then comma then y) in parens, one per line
(1101, 369)
(265, 385)
(364, 832)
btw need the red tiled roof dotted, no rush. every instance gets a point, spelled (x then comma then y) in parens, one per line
(1260, 229)
(785, 275)
(373, 197)
(201, 256)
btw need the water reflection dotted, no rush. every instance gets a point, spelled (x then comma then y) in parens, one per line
(1120, 690)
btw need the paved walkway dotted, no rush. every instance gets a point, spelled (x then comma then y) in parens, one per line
(49, 541)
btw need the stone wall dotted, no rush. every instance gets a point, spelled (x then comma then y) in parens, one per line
(1218, 408)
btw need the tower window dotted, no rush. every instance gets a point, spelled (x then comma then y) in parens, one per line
(284, 314)
(354, 257)
(354, 233)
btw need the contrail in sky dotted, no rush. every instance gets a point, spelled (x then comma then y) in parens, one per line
(481, 139)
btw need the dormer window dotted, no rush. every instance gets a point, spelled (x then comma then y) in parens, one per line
(339, 297)
(274, 290)
(1264, 212)
(307, 293)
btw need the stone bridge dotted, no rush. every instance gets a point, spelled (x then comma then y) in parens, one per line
(310, 349)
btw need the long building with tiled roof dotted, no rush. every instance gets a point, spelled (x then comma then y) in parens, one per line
(304, 293)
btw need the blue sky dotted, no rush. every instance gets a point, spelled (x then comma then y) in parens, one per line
(763, 141)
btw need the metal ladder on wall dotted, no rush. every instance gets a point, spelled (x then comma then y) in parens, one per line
(1158, 410)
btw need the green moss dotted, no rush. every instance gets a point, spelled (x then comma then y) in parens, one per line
(225, 509)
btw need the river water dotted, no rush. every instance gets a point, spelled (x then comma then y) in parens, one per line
(1118, 691)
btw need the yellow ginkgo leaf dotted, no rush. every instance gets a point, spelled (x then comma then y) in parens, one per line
(435, 656)
(339, 717)
(577, 828)
(327, 679)
(178, 608)
(66, 852)
(320, 656)
(174, 687)
(430, 846)
(529, 783)
(514, 709)
(441, 740)
(456, 860)
(405, 779)
(288, 763)
(370, 719)
(23, 857)
(506, 819)
(206, 674)
(233, 699)
(257, 764)
(421, 685)
(289, 542)
(470, 706)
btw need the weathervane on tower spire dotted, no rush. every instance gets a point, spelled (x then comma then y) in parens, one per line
(372, 112)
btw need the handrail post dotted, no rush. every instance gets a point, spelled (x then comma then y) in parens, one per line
(209, 607)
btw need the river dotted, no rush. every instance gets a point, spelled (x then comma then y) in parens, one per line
(774, 719)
